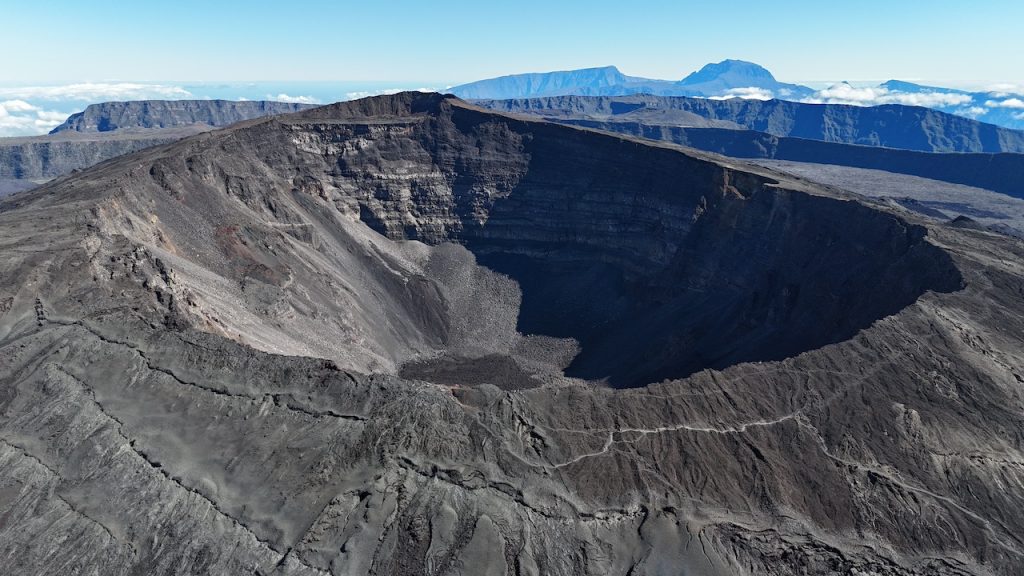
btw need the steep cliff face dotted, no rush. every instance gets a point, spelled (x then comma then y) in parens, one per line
(374, 338)
(110, 116)
(889, 126)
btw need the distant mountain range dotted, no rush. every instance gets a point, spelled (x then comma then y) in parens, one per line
(896, 138)
(711, 80)
(887, 126)
(900, 139)
(746, 80)
(145, 114)
(110, 129)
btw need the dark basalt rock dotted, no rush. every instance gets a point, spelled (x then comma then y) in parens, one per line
(376, 337)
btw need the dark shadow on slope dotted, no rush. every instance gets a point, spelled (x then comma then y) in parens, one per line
(751, 284)
(659, 263)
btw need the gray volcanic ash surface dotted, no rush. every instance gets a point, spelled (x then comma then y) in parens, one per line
(404, 335)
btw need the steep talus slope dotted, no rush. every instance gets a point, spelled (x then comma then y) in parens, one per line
(889, 126)
(258, 350)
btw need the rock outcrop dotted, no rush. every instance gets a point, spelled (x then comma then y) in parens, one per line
(405, 335)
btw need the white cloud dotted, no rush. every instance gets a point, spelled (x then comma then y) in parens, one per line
(282, 97)
(874, 96)
(748, 93)
(1019, 116)
(29, 124)
(1004, 90)
(19, 118)
(30, 110)
(384, 92)
(95, 91)
(1010, 103)
(52, 116)
(972, 112)
(17, 106)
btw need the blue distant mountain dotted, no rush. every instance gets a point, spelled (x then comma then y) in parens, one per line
(543, 83)
(1001, 108)
(741, 79)
(726, 78)
(734, 76)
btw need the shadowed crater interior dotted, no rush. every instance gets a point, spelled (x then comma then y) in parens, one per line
(656, 261)
(659, 264)
(758, 284)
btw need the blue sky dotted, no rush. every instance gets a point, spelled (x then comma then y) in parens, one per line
(57, 41)
(58, 56)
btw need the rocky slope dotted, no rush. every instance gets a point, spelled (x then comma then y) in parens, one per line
(889, 126)
(404, 335)
(109, 116)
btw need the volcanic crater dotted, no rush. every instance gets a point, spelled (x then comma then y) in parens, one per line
(404, 335)
(655, 264)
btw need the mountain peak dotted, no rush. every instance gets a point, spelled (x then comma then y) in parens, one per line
(730, 71)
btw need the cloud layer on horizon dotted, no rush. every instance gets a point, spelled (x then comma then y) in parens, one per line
(969, 105)
(748, 93)
(95, 91)
(385, 92)
(876, 95)
(1008, 103)
(19, 118)
(34, 110)
(864, 96)
(282, 97)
